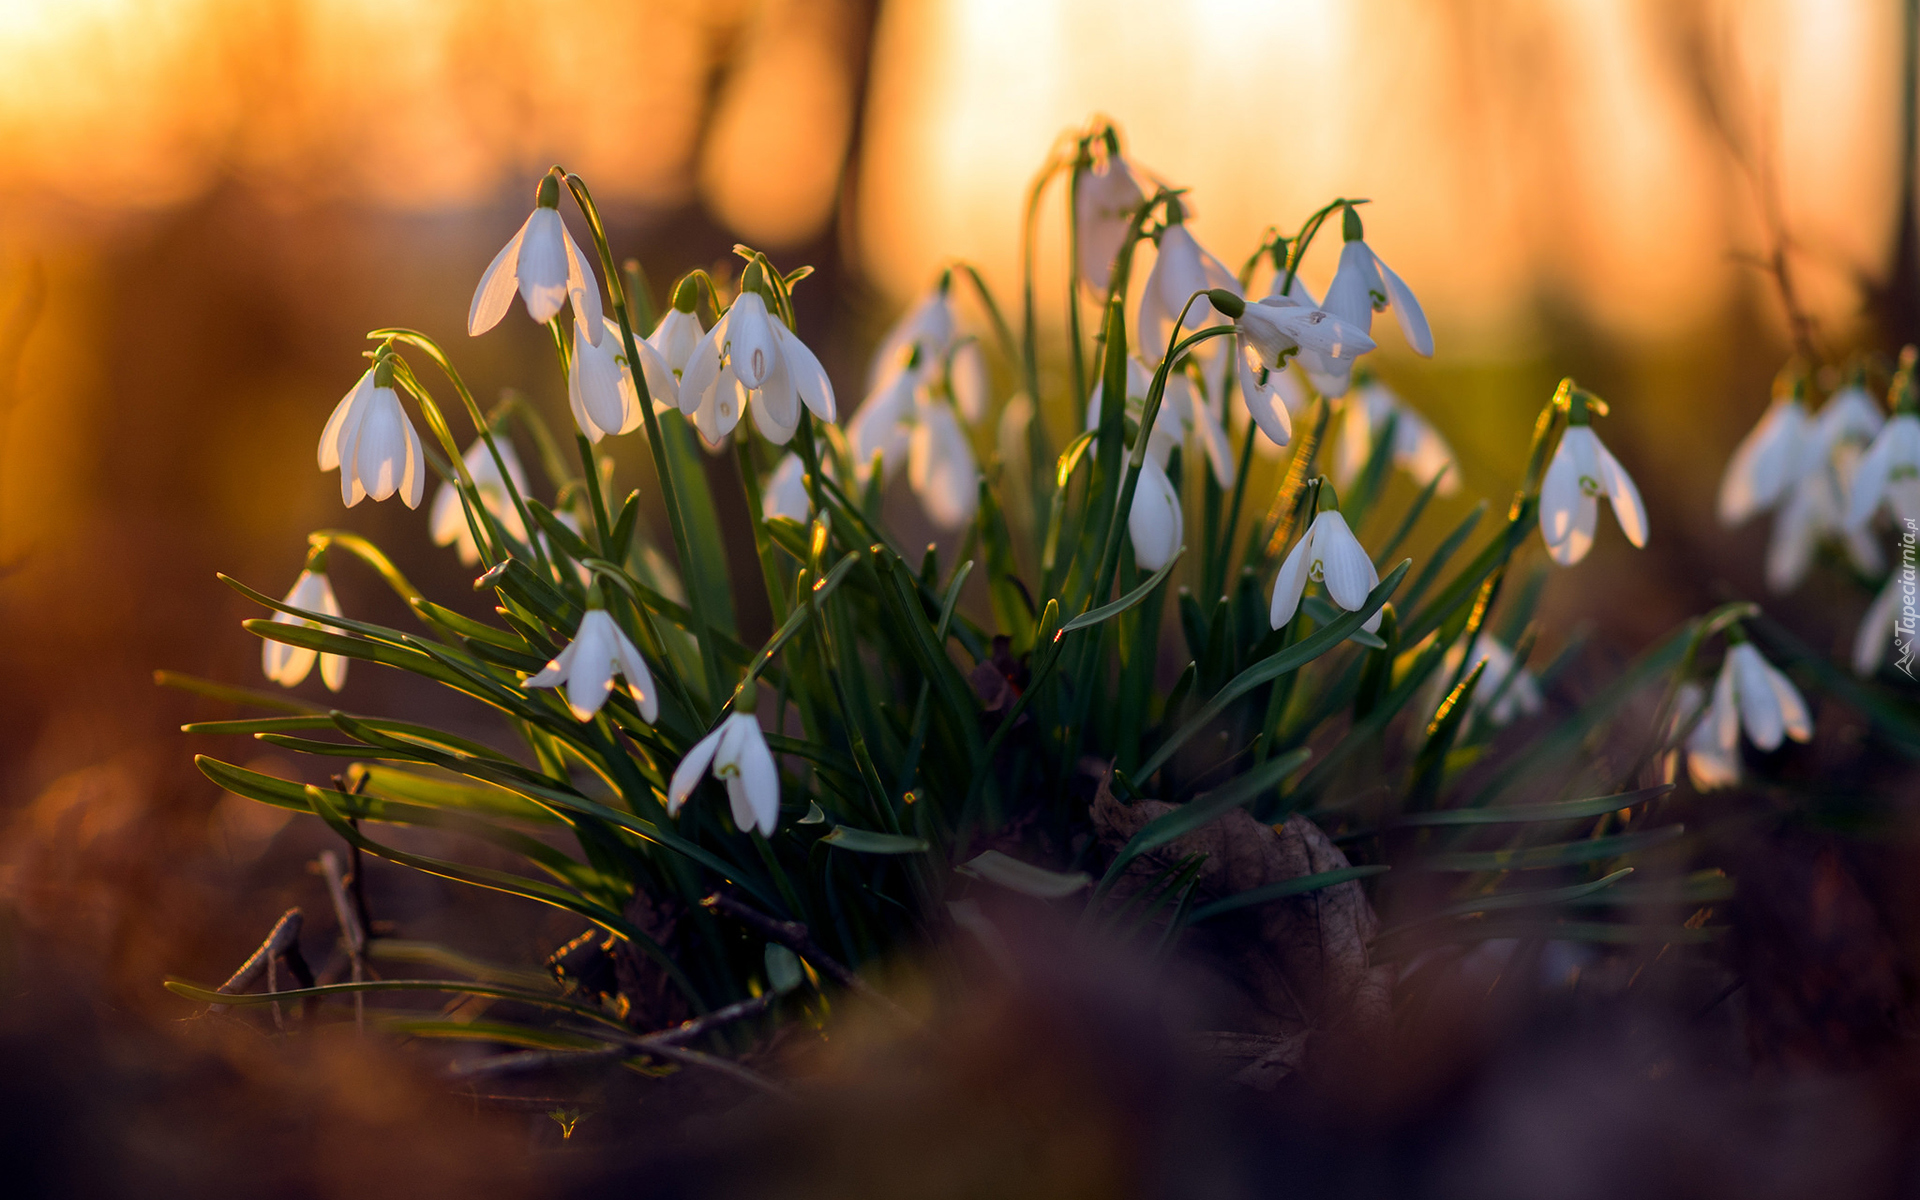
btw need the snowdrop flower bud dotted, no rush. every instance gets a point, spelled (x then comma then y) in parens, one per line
(679, 332)
(1182, 268)
(1753, 695)
(448, 518)
(1505, 691)
(1581, 472)
(737, 752)
(288, 665)
(1895, 608)
(588, 663)
(1418, 449)
(1769, 460)
(600, 388)
(1328, 554)
(751, 354)
(786, 491)
(1108, 196)
(940, 465)
(372, 444)
(1890, 469)
(544, 265)
(1155, 522)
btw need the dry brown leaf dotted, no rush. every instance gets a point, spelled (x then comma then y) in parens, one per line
(1300, 964)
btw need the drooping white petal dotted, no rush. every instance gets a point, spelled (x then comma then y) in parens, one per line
(583, 289)
(1765, 464)
(633, 668)
(1710, 763)
(687, 775)
(1810, 513)
(1759, 706)
(1291, 583)
(1347, 570)
(676, 337)
(542, 267)
(1213, 438)
(927, 326)
(1154, 523)
(809, 377)
(1260, 392)
(786, 492)
(940, 466)
(333, 434)
(1848, 417)
(702, 368)
(558, 668)
(413, 482)
(1794, 718)
(752, 348)
(1350, 295)
(497, 285)
(381, 446)
(1622, 495)
(1274, 328)
(880, 425)
(590, 680)
(1725, 713)
(351, 491)
(1406, 310)
(1561, 498)
(754, 789)
(1876, 627)
(1870, 476)
(967, 379)
(776, 407)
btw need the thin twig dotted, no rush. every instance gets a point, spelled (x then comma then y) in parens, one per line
(795, 937)
(286, 932)
(350, 929)
(668, 1044)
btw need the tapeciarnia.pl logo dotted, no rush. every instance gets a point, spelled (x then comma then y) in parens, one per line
(1905, 625)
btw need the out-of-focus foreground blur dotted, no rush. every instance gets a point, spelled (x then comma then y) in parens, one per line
(205, 204)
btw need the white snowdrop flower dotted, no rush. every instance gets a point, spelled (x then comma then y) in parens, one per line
(288, 665)
(1364, 284)
(1768, 461)
(1154, 522)
(1418, 449)
(882, 425)
(1889, 473)
(1811, 514)
(544, 265)
(1710, 765)
(786, 491)
(940, 465)
(448, 518)
(1897, 607)
(370, 441)
(1583, 471)
(967, 380)
(600, 388)
(1271, 330)
(1505, 691)
(750, 353)
(737, 752)
(1107, 197)
(1328, 554)
(588, 664)
(1752, 695)
(1182, 268)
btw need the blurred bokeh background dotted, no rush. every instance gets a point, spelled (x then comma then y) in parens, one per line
(205, 204)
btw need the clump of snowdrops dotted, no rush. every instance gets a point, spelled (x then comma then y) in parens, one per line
(1179, 579)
